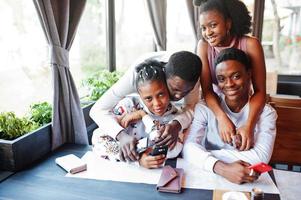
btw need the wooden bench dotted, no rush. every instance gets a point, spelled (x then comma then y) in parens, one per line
(287, 148)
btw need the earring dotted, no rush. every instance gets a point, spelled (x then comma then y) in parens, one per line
(228, 32)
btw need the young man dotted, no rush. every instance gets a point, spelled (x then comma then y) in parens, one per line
(205, 148)
(182, 76)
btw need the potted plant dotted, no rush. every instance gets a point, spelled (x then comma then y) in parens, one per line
(96, 85)
(27, 139)
(24, 140)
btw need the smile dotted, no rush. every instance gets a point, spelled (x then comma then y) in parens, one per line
(211, 39)
(231, 92)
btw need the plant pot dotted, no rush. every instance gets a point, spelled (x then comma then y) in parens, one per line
(21, 152)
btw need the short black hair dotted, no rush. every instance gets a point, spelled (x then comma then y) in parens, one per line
(149, 70)
(233, 54)
(185, 65)
(235, 10)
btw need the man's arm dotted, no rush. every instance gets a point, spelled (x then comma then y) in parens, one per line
(265, 134)
(231, 164)
(193, 151)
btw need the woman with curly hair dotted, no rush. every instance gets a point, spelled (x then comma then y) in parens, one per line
(225, 24)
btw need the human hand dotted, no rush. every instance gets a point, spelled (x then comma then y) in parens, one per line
(226, 129)
(127, 145)
(236, 172)
(151, 162)
(247, 137)
(170, 134)
(131, 117)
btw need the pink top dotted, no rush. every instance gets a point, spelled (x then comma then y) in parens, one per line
(239, 43)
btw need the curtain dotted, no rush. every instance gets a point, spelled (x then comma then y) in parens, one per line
(157, 12)
(59, 20)
(193, 12)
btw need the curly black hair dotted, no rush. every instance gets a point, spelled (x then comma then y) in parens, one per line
(150, 70)
(235, 10)
(233, 54)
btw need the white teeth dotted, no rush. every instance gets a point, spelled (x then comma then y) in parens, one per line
(211, 39)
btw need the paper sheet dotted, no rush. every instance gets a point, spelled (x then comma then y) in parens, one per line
(101, 169)
(200, 179)
(288, 184)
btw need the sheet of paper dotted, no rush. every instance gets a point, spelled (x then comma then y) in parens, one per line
(288, 184)
(200, 179)
(101, 169)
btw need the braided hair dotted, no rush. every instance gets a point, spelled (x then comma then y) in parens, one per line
(150, 70)
(235, 10)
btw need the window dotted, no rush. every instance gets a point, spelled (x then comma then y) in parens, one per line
(25, 74)
(134, 35)
(88, 51)
(281, 36)
(179, 29)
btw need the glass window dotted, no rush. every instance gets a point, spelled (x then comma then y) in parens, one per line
(25, 72)
(134, 35)
(179, 29)
(281, 36)
(25, 75)
(88, 51)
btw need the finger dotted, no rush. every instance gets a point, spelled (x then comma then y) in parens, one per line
(133, 150)
(121, 155)
(165, 141)
(172, 145)
(249, 179)
(246, 165)
(223, 137)
(161, 131)
(129, 156)
(126, 123)
(165, 132)
(158, 140)
(156, 163)
(122, 122)
(228, 138)
(248, 146)
(232, 133)
(154, 158)
(243, 143)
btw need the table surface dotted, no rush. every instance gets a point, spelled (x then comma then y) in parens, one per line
(45, 180)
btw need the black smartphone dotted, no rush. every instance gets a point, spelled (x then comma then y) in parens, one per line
(158, 150)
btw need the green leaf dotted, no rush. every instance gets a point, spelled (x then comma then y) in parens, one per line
(99, 83)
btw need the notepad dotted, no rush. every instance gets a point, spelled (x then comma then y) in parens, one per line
(71, 163)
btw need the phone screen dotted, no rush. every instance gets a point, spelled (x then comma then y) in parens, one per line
(158, 150)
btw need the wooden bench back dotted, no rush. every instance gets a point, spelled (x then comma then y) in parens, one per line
(287, 148)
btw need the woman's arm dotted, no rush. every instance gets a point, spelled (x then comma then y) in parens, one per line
(257, 100)
(226, 127)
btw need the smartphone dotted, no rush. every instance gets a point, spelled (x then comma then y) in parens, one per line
(261, 167)
(158, 150)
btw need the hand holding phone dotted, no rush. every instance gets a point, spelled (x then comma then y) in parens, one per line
(158, 150)
(261, 167)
